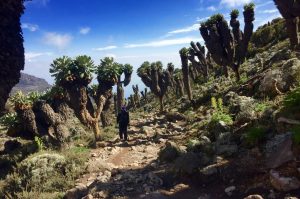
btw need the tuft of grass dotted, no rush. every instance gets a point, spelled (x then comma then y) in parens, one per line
(261, 107)
(109, 133)
(292, 99)
(255, 135)
(220, 116)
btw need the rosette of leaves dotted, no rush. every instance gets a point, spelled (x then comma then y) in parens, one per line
(68, 72)
(55, 92)
(9, 120)
(234, 13)
(82, 69)
(20, 101)
(108, 71)
(60, 69)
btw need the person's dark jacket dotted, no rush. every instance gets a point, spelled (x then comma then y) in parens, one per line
(123, 118)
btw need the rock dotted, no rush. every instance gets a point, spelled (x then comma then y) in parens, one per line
(93, 154)
(203, 144)
(170, 152)
(174, 116)
(227, 150)
(204, 196)
(283, 183)
(175, 127)
(11, 145)
(88, 197)
(242, 106)
(254, 197)
(284, 78)
(187, 163)
(148, 131)
(230, 190)
(279, 150)
(209, 170)
(76, 193)
(218, 128)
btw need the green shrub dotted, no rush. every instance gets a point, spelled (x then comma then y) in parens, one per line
(220, 116)
(39, 143)
(292, 99)
(9, 120)
(260, 107)
(255, 135)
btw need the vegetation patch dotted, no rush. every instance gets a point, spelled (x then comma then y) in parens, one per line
(255, 135)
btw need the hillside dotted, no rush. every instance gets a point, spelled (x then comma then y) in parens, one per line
(30, 83)
(225, 139)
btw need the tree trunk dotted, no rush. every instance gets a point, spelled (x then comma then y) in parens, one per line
(120, 96)
(28, 123)
(292, 29)
(104, 119)
(186, 77)
(11, 47)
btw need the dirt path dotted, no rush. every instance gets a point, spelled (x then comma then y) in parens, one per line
(133, 170)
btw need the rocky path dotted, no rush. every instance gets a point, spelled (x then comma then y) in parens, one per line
(130, 169)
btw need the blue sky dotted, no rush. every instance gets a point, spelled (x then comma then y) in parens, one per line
(132, 31)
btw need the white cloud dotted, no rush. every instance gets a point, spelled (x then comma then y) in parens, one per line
(268, 11)
(211, 8)
(202, 19)
(234, 3)
(31, 55)
(194, 27)
(111, 55)
(161, 43)
(84, 30)
(264, 4)
(30, 27)
(105, 48)
(57, 40)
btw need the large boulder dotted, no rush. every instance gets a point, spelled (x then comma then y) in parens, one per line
(170, 152)
(224, 145)
(278, 150)
(282, 183)
(280, 80)
(241, 106)
(187, 163)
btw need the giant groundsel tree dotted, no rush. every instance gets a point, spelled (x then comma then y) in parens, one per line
(74, 75)
(156, 78)
(228, 47)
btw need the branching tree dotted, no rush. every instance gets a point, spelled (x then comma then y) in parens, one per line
(145, 94)
(156, 78)
(228, 47)
(184, 53)
(127, 71)
(290, 10)
(11, 47)
(201, 66)
(136, 96)
(75, 75)
(178, 83)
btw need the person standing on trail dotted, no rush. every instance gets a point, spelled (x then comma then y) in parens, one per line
(123, 121)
